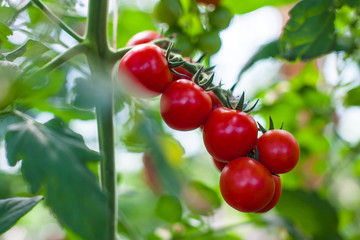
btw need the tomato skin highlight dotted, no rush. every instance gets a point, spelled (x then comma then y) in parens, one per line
(275, 199)
(229, 134)
(184, 105)
(144, 71)
(143, 37)
(278, 151)
(246, 185)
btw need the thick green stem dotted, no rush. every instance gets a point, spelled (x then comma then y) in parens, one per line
(97, 41)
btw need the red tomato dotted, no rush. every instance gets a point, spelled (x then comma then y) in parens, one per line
(215, 100)
(246, 185)
(184, 105)
(229, 134)
(182, 71)
(143, 37)
(278, 151)
(144, 71)
(207, 2)
(219, 165)
(276, 196)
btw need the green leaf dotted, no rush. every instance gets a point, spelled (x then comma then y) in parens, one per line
(201, 199)
(6, 13)
(6, 120)
(351, 3)
(5, 31)
(353, 97)
(28, 49)
(268, 50)
(240, 7)
(310, 31)
(55, 157)
(169, 209)
(12, 209)
(313, 215)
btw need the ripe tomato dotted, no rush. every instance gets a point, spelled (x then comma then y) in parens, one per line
(219, 165)
(144, 71)
(246, 185)
(207, 2)
(275, 199)
(215, 100)
(229, 134)
(184, 105)
(278, 151)
(143, 37)
(182, 71)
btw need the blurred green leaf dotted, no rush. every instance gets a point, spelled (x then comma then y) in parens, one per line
(310, 32)
(5, 31)
(29, 48)
(6, 120)
(353, 97)
(314, 215)
(6, 13)
(12, 209)
(201, 199)
(55, 157)
(352, 3)
(240, 7)
(169, 208)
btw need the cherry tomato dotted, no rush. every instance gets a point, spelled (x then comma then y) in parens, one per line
(229, 134)
(209, 42)
(215, 101)
(184, 105)
(219, 165)
(246, 185)
(278, 151)
(144, 71)
(207, 2)
(275, 199)
(220, 18)
(182, 71)
(143, 37)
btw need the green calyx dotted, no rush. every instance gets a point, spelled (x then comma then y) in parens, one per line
(271, 126)
(241, 105)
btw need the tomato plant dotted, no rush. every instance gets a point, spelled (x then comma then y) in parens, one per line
(246, 185)
(229, 134)
(146, 71)
(278, 151)
(184, 105)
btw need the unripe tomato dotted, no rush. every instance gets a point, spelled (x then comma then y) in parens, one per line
(143, 37)
(275, 199)
(278, 151)
(246, 185)
(168, 11)
(207, 2)
(209, 42)
(183, 43)
(144, 71)
(229, 134)
(220, 18)
(219, 165)
(184, 105)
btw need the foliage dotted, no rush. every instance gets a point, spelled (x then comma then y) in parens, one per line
(63, 69)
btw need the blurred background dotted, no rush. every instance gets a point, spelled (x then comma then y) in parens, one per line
(317, 100)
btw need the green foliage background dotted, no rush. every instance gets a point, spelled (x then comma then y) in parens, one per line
(320, 198)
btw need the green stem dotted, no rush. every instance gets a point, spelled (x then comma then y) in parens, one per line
(57, 20)
(97, 40)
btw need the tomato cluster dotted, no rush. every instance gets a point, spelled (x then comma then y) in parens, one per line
(249, 165)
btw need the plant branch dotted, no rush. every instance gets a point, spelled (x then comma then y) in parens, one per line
(57, 20)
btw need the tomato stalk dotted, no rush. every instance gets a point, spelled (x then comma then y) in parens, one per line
(97, 39)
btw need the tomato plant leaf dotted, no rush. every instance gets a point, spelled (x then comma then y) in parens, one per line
(29, 48)
(169, 208)
(353, 97)
(6, 13)
(310, 32)
(313, 215)
(5, 31)
(6, 120)
(241, 7)
(55, 157)
(12, 209)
